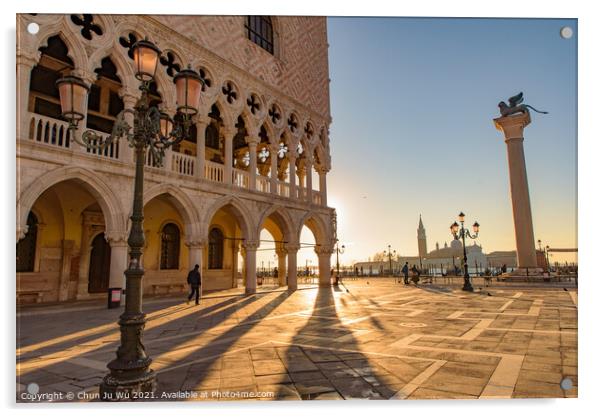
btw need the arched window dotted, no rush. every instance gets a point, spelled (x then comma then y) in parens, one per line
(216, 249)
(260, 31)
(26, 247)
(170, 247)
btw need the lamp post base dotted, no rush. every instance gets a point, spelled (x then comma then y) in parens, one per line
(467, 285)
(119, 385)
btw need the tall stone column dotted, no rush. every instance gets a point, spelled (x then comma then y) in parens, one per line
(252, 142)
(291, 250)
(324, 255)
(308, 182)
(119, 258)
(250, 267)
(274, 169)
(229, 133)
(322, 172)
(201, 127)
(292, 167)
(126, 152)
(25, 64)
(512, 127)
(281, 252)
(301, 176)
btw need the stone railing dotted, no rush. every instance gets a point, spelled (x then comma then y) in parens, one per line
(54, 132)
(111, 151)
(49, 131)
(316, 197)
(240, 178)
(214, 171)
(182, 164)
(283, 188)
(263, 184)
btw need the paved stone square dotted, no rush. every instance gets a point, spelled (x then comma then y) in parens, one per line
(365, 339)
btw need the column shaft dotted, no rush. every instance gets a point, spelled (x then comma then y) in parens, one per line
(253, 163)
(250, 268)
(292, 266)
(201, 126)
(228, 139)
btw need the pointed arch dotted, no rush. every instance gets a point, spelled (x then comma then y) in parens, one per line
(242, 213)
(318, 227)
(76, 49)
(282, 218)
(91, 181)
(181, 201)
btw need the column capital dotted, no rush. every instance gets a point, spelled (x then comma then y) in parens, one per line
(322, 170)
(116, 238)
(28, 59)
(292, 247)
(323, 250)
(250, 245)
(513, 126)
(195, 243)
(202, 119)
(253, 140)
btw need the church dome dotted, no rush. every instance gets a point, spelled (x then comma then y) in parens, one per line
(456, 246)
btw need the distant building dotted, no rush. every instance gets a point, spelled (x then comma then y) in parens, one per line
(443, 259)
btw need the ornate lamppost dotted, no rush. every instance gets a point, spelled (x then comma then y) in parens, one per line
(390, 255)
(339, 250)
(154, 131)
(463, 233)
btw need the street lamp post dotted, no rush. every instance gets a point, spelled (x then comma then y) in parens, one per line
(339, 250)
(390, 255)
(156, 131)
(463, 233)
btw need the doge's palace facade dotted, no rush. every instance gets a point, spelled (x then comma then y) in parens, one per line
(257, 158)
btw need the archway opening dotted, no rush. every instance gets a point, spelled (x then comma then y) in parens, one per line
(307, 259)
(271, 254)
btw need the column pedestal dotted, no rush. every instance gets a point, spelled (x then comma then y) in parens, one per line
(512, 127)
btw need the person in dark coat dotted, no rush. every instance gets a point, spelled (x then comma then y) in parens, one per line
(194, 280)
(406, 273)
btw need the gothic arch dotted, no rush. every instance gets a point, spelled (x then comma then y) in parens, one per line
(91, 181)
(318, 227)
(282, 218)
(181, 201)
(125, 70)
(242, 213)
(77, 51)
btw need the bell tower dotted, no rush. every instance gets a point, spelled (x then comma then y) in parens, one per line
(421, 239)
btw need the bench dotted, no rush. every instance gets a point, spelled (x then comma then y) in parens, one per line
(37, 296)
(169, 288)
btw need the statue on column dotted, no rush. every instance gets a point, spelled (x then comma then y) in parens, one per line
(514, 106)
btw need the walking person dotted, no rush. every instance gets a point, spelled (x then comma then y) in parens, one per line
(194, 280)
(406, 273)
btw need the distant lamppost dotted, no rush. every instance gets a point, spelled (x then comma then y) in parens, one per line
(156, 131)
(390, 255)
(463, 233)
(548, 256)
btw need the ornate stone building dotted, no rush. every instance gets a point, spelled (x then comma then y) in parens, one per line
(257, 158)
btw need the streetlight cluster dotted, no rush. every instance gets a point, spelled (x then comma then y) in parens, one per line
(458, 231)
(156, 131)
(390, 254)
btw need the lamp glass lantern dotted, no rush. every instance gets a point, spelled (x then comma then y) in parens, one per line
(475, 227)
(146, 57)
(188, 91)
(454, 227)
(73, 94)
(461, 217)
(166, 125)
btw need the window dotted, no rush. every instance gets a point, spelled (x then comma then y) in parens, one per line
(216, 249)
(170, 246)
(26, 247)
(259, 30)
(212, 137)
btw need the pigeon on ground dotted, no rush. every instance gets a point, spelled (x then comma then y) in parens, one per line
(565, 289)
(489, 294)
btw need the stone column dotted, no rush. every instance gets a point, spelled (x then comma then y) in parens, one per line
(25, 64)
(322, 172)
(324, 255)
(126, 153)
(119, 258)
(252, 141)
(68, 247)
(309, 181)
(301, 175)
(201, 127)
(291, 250)
(229, 133)
(274, 169)
(512, 127)
(250, 267)
(292, 160)
(235, 250)
(195, 257)
(281, 252)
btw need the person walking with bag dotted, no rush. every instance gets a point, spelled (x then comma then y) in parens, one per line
(194, 280)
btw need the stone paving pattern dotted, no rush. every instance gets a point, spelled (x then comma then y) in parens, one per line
(376, 340)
